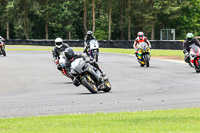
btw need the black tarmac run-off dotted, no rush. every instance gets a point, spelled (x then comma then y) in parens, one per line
(31, 86)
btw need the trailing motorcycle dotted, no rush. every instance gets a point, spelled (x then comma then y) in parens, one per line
(89, 76)
(94, 49)
(61, 62)
(143, 54)
(2, 48)
(195, 57)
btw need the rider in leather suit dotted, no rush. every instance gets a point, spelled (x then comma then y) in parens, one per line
(190, 39)
(71, 56)
(58, 49)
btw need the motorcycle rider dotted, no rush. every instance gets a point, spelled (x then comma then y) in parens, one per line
(87, 39)
(71, 56)
(58, 49)
(140, 38)
(190, 39)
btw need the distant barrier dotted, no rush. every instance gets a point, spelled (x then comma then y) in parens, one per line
(156, 44)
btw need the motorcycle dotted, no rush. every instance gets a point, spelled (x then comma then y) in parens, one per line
(2, 48)
(94, 49)
(89, 76)
(195, 57)
(143, 55)
(61, 61)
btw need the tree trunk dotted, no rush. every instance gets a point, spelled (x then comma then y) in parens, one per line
(46, 28)
(25, 21)
(129, 21)
(152, 32)
(110, 14)
(7, 30)
(93, 28)
(85, 17)
(47, 22)
(153, 27)
(69, 32)
(121, 20)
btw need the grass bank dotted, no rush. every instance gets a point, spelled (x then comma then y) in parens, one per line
(181, 120)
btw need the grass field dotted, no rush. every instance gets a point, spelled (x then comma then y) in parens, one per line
(169, 121)
(154, 52)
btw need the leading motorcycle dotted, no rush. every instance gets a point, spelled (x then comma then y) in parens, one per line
(195, 57)
(2, 48)
(143, 54)
(89, 76)
(94, 49)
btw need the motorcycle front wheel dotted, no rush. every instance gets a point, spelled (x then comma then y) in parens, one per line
(89, 84)
(95, 56)
(146, 59)
(3, 51)
(198, 70)
(108, 86)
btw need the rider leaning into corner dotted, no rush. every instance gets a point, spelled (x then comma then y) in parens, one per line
(71, 56)
(190, 39)
(140, 38)
(87, 39)
(58, 49)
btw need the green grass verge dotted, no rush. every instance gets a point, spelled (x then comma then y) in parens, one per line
(154, 52)
(180, 121)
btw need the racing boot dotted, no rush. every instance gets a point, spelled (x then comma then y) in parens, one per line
(103, 74)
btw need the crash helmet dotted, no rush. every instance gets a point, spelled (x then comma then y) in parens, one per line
(189, 36)
(89, 33)
(58, 42)
(69, 53)
(140, 35)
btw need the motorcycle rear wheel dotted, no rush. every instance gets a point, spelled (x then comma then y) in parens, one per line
(90, 85)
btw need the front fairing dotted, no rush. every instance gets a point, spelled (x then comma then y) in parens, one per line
(94, 44)
(76, 66)
(144, 48)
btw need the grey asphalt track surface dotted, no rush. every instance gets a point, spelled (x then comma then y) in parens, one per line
(30, 85)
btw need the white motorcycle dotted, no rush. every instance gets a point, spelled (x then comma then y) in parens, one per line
(94, 49)
(61, 62)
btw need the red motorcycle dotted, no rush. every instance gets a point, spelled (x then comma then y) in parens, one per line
(2, 48)
(195, 57)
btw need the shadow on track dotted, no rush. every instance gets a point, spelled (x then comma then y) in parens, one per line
(88, 93)
(62, 83)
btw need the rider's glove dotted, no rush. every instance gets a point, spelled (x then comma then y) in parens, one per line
(87, 46)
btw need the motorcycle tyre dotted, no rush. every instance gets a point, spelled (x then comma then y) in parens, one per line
(142, 65)
(85, 83)
(108, 86)
(3, 51)
(146, 58)
(95, 56)
(198, 70)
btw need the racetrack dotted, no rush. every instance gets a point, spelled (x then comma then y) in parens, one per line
(31, 86)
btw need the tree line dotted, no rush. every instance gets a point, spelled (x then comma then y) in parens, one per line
(108, 19)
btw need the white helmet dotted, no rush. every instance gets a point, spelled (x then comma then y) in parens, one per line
(58, 42)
